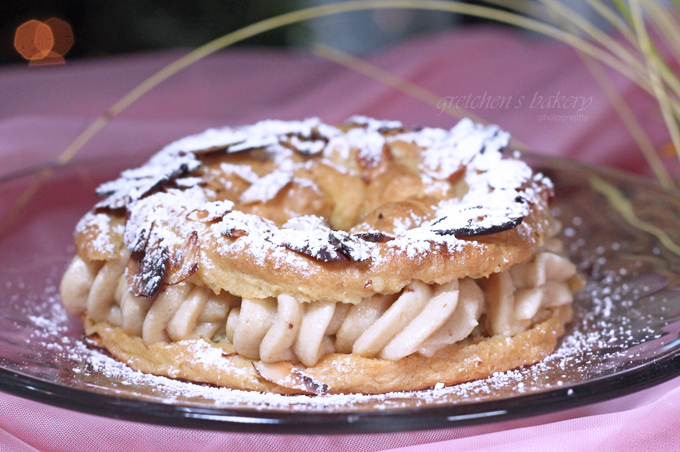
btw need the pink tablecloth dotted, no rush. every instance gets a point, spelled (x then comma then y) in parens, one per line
(43, 109)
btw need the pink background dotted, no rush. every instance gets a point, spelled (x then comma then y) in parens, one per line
(43, 109)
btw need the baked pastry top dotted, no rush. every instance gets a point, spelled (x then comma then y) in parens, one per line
(297, 249)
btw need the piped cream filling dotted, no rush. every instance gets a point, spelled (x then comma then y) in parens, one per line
(420, 319)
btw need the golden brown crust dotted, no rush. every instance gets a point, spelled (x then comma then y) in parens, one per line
(226, 267)
(89, 238)
(458, 363)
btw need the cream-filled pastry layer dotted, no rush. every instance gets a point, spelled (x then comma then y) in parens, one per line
(420, 319)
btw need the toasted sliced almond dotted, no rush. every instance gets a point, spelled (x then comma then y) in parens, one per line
(283, 373)
(184, 262)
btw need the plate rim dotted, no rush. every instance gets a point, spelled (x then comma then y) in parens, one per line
(250, 420)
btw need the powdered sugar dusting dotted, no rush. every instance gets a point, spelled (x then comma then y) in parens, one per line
(308, 147)
(370, 144)
(243, 171)
(500, 193)
(267, 187)
(156, 209)
(209, 356)
(375, 125)
(308, 235)
(262, 134)
(102, 223)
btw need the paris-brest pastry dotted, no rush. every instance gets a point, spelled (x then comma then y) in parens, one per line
(300, 257)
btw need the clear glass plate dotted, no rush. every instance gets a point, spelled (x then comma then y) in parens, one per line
(624, 337)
